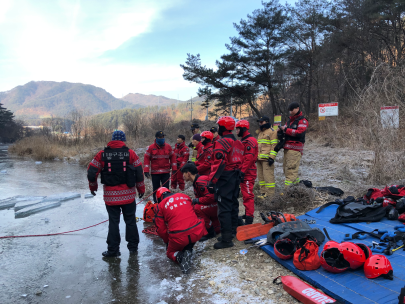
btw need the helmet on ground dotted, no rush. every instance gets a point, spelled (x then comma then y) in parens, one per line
(284, 249)
(242, 124)
(226, 121)
(330, 244)
(378, 265)
(367, 250)
(353, 254)
(161, 191)
(332, 260)
(207, 135)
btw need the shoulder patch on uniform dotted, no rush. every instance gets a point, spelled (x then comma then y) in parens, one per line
(202, 189)
(248, 148)
(304, 121)
(209, 157)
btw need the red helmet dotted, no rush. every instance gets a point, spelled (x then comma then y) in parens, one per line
(332, 260)
(208, 135)
(378, 265)
(330, 244)
(284, 249)
(160, 192)
(353, 254)
(227, 121)
(242, 124)
(367, 251)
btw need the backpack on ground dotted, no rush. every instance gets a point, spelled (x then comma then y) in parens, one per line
(149, 212)
(306, 256)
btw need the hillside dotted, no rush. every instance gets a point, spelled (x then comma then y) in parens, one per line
(148, 100)
(38, 99)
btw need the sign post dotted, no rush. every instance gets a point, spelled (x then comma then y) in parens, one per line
(277, 121)
(389, 117)
(328, 109)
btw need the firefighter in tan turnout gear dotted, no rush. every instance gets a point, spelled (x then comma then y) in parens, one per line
(267, 141)
(195, 129)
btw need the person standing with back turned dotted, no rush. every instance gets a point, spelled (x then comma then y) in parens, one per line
(121, 173)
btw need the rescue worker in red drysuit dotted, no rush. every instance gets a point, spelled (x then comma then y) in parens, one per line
(178, 226)
(159, 159)
(181, 151)
(248, 170)
(294, 135)
(214, 131)
(204, 157)
(204, 202)
(225, 179)
(121, 172)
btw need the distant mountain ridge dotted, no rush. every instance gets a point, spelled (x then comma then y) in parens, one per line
(149, 100)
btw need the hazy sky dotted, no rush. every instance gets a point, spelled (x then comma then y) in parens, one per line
(122, 46)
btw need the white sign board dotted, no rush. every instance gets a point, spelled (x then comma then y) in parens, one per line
(390, 117)
(328, 109)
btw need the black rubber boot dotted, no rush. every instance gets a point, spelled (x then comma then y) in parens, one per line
(220, 238)
(226, 241)
(249, 220)
(109, 254)
(184, 260)
(240, 220)
(211, 234)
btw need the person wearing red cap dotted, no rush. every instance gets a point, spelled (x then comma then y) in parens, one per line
(204, 157)
(204, 202)
(249, 170)
(225, 179)
(294, 139)
(182, 153)
(178, 226)
(159, 159)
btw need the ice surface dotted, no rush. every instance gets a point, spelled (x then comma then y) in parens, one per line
(27, 203)
(3, 171)
(8, 202)
(62, 197)
(38, 162)
(88, 195)
(37, 208)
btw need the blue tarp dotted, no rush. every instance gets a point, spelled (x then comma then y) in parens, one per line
(351, 286)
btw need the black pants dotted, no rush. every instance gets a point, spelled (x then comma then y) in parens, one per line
(160, 180)
(131, 231)
(227, 198)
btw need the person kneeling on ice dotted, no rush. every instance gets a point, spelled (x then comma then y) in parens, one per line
(204, 204)
(178, 226)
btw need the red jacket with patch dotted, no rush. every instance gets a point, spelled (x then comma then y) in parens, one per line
(216, 139)
(291, 143)
(204, 159)
(174, 215)
(120, 194)
(250, 154)
(182, 153)
(201, 192)
(160, 159)
(223, 151)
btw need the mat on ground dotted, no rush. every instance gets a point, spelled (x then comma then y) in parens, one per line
(351, 286)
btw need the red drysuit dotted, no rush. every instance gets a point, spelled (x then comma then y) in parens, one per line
(207, 207)
(182, 154)
(249, 169)
(177, 224)
(204, 159)
(160, 159)
(296, 128)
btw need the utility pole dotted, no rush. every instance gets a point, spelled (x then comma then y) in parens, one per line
(191, 109)
(206, 116)
(231, 98)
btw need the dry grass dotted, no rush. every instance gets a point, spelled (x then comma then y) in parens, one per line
(37, 147)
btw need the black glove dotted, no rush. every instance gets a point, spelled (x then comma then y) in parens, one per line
(211, 188)
(147, 174)
(241, 176)
(167, 245)
(279, 146)
(270, 161)
(93, 192)
(141, 195)
(190, 145)
(196, 201)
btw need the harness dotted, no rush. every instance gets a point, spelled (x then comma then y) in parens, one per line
(294, 125)
(116, 166)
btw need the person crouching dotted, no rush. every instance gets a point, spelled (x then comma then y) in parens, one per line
(204, 202)
(178, 226)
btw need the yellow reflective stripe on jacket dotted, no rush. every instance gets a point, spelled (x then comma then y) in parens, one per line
(193, 159)
(264, 141)
(263, 156)
(273, 153)
(274, 141)
(270, 185)
(288, 183)
(262, 183)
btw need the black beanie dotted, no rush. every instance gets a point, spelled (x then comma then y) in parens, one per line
(293, 106)
(182, 137)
